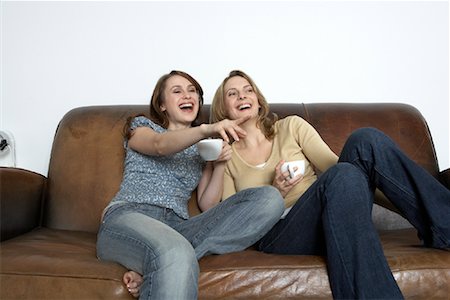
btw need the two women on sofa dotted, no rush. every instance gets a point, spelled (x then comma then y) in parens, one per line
(327, 215)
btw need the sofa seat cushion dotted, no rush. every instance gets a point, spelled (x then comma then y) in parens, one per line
(48, 263)
(421, 273)
(51, 262)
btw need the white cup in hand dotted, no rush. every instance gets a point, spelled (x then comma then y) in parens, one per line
(210, 149)
(290, 166)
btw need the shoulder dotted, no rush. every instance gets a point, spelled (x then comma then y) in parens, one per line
(290, 121)
(142, 121)
(293, 126)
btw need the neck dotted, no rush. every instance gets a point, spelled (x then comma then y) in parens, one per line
(177, 126)
(254, 135)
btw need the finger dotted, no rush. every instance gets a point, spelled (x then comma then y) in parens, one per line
(226, 154)
(279, 175)
(226, 146)
(224, 135)
(241, 132)
(227, 157)
(233, 134)
(280, 178)
(278, 166)
(297, 179)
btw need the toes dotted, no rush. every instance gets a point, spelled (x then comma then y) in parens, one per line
(134, 292)
(132, 285)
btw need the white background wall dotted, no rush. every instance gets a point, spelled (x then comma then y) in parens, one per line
(61, 55)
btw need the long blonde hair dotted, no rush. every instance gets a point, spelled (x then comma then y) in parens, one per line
(218, 110)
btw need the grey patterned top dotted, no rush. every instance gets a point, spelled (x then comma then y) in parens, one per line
(165, 181)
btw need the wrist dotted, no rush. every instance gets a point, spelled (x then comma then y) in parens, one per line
(219, 165)
(204, 130)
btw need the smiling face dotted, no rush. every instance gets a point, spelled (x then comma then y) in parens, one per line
(237, 96)
(240, 98)
(181, 102)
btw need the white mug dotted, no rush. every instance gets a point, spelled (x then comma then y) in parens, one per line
(291, 165)
(210, 149)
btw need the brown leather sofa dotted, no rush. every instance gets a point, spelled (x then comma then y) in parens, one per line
(49, 224)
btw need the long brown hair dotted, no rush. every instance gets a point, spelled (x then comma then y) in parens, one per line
(156, 114)
(264, 122)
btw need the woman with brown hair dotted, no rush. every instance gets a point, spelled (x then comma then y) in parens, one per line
(147, 227)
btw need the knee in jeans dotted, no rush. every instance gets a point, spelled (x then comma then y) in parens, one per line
(182, 250)
(347, 174)
(366, 135)
(173, 250)
(270, 200)
(347, 179)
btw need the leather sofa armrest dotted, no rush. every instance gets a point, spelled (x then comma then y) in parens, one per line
(21, 199)
(444, 177)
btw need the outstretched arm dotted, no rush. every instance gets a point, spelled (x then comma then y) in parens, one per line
(147, 141)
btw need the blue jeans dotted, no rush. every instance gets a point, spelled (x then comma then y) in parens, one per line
(333, 217)
(165, 248)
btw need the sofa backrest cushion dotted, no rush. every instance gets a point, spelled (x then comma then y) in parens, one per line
(86, 161)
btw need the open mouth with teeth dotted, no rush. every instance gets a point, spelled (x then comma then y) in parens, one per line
(244, 106)
(186, 107)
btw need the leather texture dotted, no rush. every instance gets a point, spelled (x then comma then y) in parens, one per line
(49, 224)
(21, 201)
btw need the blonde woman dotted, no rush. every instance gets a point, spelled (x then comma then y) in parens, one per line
(329, 214)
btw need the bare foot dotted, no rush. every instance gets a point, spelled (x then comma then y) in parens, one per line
(133, 282)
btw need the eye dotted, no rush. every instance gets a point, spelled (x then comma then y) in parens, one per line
(231, 93)
(249, 90)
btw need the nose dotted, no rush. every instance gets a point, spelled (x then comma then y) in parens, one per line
(186, 95)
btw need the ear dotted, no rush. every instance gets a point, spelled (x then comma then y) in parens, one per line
(163, 107)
